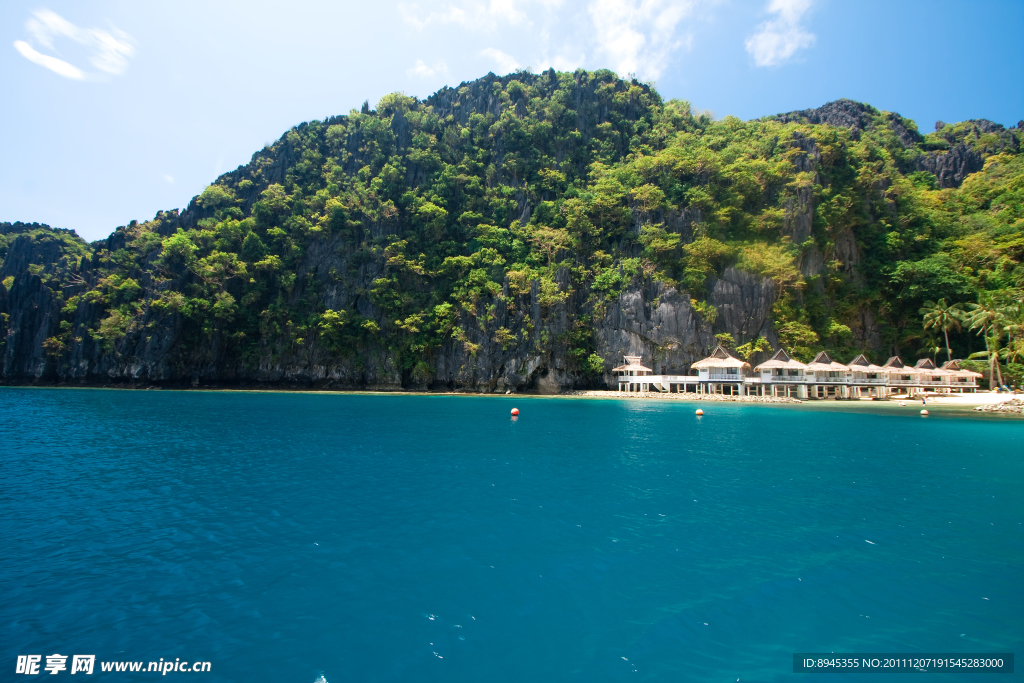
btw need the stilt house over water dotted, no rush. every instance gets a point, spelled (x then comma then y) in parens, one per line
(785, 376)
(721, 373)
(828, 379)
(959, 378)
(930, 376)
(866, 378)
(630, 374)
(898, 374)
(781, 375)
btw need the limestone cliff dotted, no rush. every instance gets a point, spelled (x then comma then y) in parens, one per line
(515, 233)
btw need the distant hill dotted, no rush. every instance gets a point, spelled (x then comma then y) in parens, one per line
(524, 232)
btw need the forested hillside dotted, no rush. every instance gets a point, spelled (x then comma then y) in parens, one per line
(524, 232)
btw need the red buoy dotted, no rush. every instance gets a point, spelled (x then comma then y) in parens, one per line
(515, 411)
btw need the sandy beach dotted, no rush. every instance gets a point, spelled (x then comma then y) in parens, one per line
(981, 398)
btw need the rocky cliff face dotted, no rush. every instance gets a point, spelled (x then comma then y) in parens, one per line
(647, 318)
(968, 142)
(950, 168)
(842, 113)
(477, 192)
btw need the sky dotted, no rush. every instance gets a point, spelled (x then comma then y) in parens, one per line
(113, 110)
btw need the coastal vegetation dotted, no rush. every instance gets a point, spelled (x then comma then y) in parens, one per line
(512, 216)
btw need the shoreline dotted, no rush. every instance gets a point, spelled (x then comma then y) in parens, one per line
(681, 396)
(979, 401)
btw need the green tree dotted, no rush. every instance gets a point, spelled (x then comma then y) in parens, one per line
(726, 340)
(759, 345)
(941, 315)
(986, 317)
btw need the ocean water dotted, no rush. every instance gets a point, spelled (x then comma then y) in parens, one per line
(333, 537)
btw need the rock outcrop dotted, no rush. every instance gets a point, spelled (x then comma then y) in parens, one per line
(115, 312)
(950, 168)
(968, 142)
(647, 318)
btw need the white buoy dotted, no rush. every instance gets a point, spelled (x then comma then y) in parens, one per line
(924, 412)
(699, 411)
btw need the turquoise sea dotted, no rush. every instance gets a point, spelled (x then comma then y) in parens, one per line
(341, 537)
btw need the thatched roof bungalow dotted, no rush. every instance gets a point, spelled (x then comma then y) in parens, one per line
(959, 376)
(862, 365)
(928, 375)
(632, 367)
(720, 359)
(827, 370)
(866, 376)
(899, 374)
(781, 368)
(721, 372)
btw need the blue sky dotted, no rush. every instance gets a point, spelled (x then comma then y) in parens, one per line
(113, 110)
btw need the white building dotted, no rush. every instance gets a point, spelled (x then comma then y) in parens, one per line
(784, 376)
(899, 378)
(633, 376)
(781, 375)
(721, 373)
(959, 379)
(828, 378)
(866, 378)
(930, 377)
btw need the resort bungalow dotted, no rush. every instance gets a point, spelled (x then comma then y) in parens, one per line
(633, 376)
(721, 373)
(866, 378)
(960, 379)
(930, 377)
(784, 376)
(827, 378)
(899, 378)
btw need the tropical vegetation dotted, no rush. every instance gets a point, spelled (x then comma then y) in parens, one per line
(530, 189)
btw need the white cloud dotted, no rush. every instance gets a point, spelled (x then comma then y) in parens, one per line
(55, 65)
(779, 38)
(639, 36)
(506, 63)
(472, 14)
(109, 51)
(421, 70)
(169, 178)
(630, 36)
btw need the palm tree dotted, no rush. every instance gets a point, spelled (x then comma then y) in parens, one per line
(991, 322)
(942, 316)
(1014, 312)
(932, 347)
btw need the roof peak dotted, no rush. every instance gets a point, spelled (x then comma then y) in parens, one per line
(720, 352)
(781, 355)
